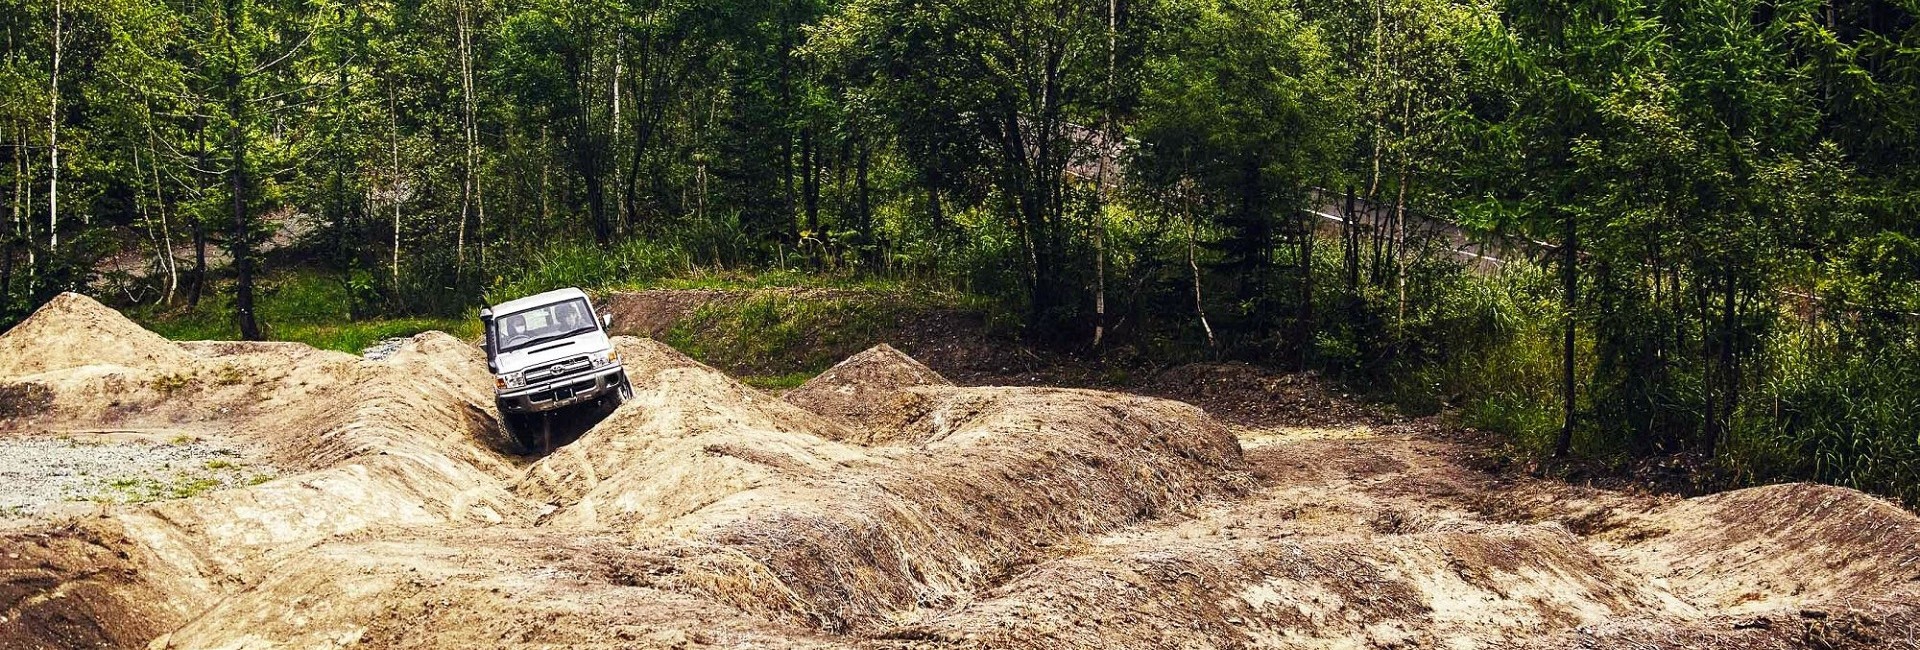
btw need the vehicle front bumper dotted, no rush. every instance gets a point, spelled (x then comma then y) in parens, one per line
(563, 392)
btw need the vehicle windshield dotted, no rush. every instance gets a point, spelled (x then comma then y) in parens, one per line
(532, 327)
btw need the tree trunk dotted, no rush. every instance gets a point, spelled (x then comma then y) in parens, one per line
(1350, 235)
(242, 236)
(53, 133)
(393, 142)
(1379, 116)
(613, 135)
(934, 210)
(166, 229)
(629, 205)
(467, 187)
(585, 143)
(1303, 332)
(1253, 235)
(1399, 247)
(784, 78)
(863, 201)
(810, 179)
(199, 263)
(204, 154)
(9, 237)
(1729, 383)
(6, 268)
(1193, 265)
(480, 219)
(1569, 286)
(22, 204)
(546, 213)
(1400, 209)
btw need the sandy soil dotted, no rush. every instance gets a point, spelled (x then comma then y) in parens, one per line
(877, 506)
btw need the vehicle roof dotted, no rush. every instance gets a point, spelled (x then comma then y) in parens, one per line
(537, 300)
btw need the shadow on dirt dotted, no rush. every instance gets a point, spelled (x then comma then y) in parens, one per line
(534, 436)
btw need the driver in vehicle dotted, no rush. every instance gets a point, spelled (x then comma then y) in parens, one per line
(570, 317)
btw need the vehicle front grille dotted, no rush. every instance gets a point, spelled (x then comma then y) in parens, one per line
(559, 368)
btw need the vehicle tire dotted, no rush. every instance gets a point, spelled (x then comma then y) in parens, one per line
(625, 393)
(523, 428)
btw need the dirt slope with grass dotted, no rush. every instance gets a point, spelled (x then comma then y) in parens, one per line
(879, 505)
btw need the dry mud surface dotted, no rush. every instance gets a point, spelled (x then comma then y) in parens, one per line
(878, 506)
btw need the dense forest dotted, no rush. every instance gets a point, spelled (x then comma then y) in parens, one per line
(1697, 221)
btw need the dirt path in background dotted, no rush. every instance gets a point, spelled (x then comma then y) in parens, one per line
(877, 506)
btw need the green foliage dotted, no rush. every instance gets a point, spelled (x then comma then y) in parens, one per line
(300, 307)
(778, 382)
(146, 489)
(1240, 102)
(1836, 416)
(630, 264)
(784, 338)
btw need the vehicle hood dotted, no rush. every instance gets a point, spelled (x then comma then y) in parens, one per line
(551, 351)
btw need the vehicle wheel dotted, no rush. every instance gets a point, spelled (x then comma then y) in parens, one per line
(626, 391)
(524, 428)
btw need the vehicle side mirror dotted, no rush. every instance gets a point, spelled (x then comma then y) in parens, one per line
(606, 320)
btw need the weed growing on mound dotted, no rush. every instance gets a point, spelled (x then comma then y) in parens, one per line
(171, 383)
(144, 489)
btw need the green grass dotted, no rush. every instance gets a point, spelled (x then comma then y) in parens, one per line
(301, 307)
(144, 489)
(778, 382)
(639, 265)
(781, 339)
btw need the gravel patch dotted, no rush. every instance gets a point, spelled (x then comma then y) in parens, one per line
(40, 473)
(383, 349)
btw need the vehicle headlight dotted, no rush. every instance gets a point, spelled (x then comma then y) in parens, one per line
(603, 358)
(511, 380)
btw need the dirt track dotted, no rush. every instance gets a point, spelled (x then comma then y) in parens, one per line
(879, 506)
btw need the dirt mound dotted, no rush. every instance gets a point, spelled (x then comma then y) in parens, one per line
(705, 513)
(67, 587)
(387, 444)
(653, 313)
(1440, 589)
(790, 523)
(1775, 546)
(868, 392)
(72, 331)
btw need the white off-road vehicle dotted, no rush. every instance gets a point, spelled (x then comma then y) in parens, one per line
(550, 352)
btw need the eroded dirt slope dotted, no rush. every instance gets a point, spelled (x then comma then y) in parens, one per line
(877, 506)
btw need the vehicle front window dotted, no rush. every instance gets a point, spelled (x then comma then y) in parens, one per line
(545, 323)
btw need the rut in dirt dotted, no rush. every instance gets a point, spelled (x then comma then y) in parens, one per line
(879, 505)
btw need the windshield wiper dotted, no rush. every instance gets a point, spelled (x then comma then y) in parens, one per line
(543, 339)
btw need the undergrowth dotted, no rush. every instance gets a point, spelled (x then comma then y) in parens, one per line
(638, 264)
(780, 339)
(295, 306)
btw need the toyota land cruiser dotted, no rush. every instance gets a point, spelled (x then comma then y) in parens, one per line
(549, 352)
